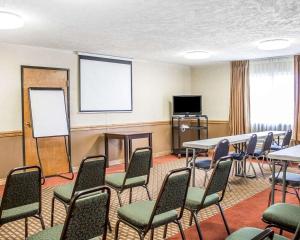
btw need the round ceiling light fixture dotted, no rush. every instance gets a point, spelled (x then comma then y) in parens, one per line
(197, 55)
(274, 44)
(9, 20)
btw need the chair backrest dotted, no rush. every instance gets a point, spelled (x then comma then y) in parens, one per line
(87, 215)
(23, 186)
(221, 150)
(287, 139)
(267, 143)
(91, 173)
(173, 193)
(140, 163)
(219, 178)
(251, 145)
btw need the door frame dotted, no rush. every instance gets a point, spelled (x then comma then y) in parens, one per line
(67, 104)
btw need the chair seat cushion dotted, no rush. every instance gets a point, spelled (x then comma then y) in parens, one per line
(248, 233)
(237, 156)
(64, 192)
(257, 152)
(16, 213)
(292, 179)
(195, 196)
(116, 180)
(203, 164)
(139, 213)
(283, 214)
(275, 147)
(53, 233)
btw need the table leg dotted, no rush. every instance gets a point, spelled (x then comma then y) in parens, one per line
(106, 149)
(150, 145)
(194, 169)
(130, 147)
(273, 183)
(284, 181)
(126, 152)
(187, 157)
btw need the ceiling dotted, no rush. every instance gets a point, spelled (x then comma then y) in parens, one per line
(159, 30)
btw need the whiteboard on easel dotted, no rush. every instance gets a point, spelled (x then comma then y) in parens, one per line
(48, 112)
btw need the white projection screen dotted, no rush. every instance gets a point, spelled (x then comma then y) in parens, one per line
(48, 112)
(105, 84)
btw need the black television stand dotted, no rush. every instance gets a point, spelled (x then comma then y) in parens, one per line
(188, 128)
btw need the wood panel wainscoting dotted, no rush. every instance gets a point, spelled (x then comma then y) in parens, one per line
(88, 140)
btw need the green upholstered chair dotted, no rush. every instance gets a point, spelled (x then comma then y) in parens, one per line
(87, 217)
(22, 196)
(200, 198)
(249, 233)
(137, 174)
(91, 174)
(284, 216)
(145, 216)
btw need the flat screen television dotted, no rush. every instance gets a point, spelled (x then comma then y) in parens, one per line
(187, 105)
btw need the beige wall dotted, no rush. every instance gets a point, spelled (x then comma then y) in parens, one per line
(213, 83)
(153, 86)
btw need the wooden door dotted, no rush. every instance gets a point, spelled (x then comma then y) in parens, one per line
(54, 159)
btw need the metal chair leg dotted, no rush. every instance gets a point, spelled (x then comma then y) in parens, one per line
(197, 226)
(260, 167)
(269, 163)
(117, 230)
(52, 212)
(148, 193)
(130, 195)
(233, 168)
(191, 219)
(42, 222)
(269, 201)
(142, 236)
(297, 194)
(152, 234)
(243, 167)
(224, 219)
(165, 231)
(228, 185)
(251, 164)
(26, 228)
(205, 178)
(119, 198)
(109, 226)
(180, 229)
(248, 170)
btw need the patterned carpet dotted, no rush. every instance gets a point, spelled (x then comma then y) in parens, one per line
(240, 189)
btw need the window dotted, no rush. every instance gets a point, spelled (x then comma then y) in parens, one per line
(271, 94)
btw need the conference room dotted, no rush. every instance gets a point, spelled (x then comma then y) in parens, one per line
(125, 119)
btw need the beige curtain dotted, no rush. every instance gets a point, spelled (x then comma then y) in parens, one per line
(239, 114)
(297, 99)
